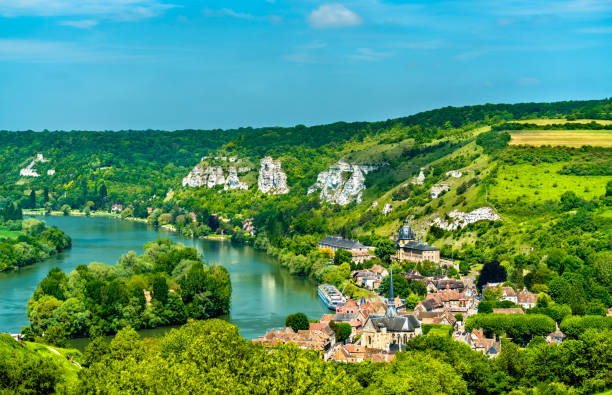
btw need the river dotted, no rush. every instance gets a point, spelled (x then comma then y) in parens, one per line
(264, 293)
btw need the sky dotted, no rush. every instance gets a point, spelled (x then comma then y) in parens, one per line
(173, 64)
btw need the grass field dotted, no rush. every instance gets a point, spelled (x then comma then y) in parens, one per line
(568, 138)
(542, 182)
(550, 121)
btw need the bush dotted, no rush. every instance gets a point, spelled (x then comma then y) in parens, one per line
(297, 321)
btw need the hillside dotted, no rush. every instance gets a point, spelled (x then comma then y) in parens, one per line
(548, 205)
(36, 368)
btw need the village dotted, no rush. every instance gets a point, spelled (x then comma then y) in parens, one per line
(381, 326)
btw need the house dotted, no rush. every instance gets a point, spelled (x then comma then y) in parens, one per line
(350, 307)
(359, 252)
(555, 337)
(477, 340)
(434, 285)
(370, 278)
(392, 331)
(115, 208)
(527, 299)
(317, 337)
(443, 317)
(456, 302)
(409, 249)
(509, 294)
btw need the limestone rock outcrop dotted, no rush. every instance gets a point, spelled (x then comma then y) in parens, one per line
(342, 183)
(460, 219)
(420, 179)
(211, 176)
(437, 189)
(272, 179)
(29, 170)
(454, 174)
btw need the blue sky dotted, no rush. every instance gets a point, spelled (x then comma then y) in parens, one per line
(171, 64)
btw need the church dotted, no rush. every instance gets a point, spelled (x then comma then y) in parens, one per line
(409, 249)
(389, 332)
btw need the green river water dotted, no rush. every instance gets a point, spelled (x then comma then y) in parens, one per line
(263, 292)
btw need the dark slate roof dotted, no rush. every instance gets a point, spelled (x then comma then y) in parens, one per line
(344, 244)
(452, 284)
(413, 245)
(396, 324)
(344, 317)
(430, 304)
(406, 233)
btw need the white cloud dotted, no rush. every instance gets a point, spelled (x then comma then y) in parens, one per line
(333, 15)
(80, 24)
(227, 12)
(368, 55)
(123, 10)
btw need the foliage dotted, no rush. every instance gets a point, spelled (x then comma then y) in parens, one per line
(34, 242)
(297, 321)
(111, 298)
(520, 327)
(342, 330)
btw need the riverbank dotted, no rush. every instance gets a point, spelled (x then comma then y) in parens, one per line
(263, 292)
(104, 214)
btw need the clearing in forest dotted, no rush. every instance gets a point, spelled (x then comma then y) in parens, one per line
(567, 138)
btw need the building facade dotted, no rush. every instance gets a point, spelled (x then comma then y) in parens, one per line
(410, 249)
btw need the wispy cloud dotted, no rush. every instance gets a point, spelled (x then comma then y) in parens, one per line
(80, 24)
(227, 12)
(123, 10)
(369, 55)
(230, 13)
(333, 15)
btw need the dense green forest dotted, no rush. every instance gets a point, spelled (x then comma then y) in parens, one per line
(166, 285)
(210, 356)
(26, 241)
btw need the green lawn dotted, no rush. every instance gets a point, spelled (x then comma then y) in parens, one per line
(436, 330)
(542, 182)
(9, 234)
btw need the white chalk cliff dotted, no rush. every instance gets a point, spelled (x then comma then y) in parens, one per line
(460, 219)
(212, 176)
(342, 183)
(272, 179)
(30, 171)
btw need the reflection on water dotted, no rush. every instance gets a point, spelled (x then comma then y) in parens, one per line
(263, 293)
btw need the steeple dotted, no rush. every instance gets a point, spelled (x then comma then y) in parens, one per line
(391, 311)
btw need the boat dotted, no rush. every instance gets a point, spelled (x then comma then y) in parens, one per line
(331, 297)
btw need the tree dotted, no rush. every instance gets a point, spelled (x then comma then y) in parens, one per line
(56, 336)
(297, 321)
(342, 330)
(401, 287)
(492, 272)
(384, 249)
(160, 288)
(341, 256)
(66, 209)
(32, 201)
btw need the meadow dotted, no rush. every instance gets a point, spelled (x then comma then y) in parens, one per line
(567, 138)
(5, 233)
(541, 182)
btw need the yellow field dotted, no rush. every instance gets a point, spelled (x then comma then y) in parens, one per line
(567, 138)
(563, 120)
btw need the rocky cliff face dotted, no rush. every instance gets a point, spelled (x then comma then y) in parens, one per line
(272, 179)
(460, 219)
(342, 183)
(212, 176)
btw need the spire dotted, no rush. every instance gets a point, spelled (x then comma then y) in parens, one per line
(391, 311)
(391, 286)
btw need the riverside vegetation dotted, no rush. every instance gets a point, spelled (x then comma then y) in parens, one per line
(25, 242)
(166, 285)
(554, 238)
